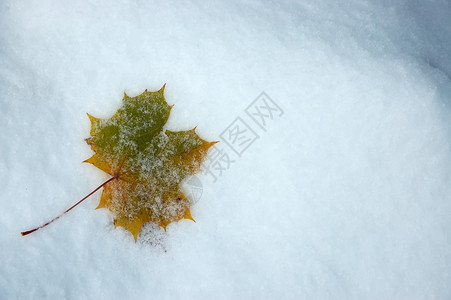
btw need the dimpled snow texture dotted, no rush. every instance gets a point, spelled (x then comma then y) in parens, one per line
(148, 164)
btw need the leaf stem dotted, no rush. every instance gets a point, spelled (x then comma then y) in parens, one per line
(42, 226)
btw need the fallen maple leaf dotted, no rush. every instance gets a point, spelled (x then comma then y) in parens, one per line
(147, 165)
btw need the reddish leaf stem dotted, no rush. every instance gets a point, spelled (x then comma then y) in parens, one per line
(100, 186)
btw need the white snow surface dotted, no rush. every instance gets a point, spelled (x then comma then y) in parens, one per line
(345, 196)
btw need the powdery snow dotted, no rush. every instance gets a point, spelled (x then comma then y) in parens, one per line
(344, 195)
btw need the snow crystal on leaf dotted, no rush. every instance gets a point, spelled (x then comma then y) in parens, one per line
(147, 163)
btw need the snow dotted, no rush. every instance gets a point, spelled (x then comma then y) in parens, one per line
(347, 195)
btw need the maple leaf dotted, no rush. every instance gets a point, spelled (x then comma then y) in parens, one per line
(147, 164)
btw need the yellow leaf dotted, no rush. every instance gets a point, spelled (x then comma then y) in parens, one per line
(148, 164)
